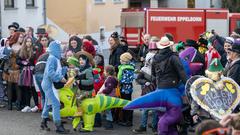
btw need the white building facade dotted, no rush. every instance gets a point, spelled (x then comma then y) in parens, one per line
(25, 12)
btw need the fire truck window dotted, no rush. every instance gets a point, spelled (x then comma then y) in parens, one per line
(191, 3)
(238, 23)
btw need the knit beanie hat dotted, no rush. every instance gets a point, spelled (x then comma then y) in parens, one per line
(126, 57)
(88, 47)
(73, 60)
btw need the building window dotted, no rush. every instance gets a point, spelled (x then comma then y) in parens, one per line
(99, 1)
(191, 3)
(30, 3)
(162, 3)
(9, 3)
(139, 4)
(117, 1)
(238, 23)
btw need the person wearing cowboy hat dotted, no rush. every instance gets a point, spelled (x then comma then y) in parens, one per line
(168, 73)
(85, 81)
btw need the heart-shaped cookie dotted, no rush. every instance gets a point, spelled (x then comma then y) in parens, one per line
(218, 98)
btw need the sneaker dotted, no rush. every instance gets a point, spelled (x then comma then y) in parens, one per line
(109, 125)
(125, 124)
(2, 105)
(154, 130)
(34, 109)
(26, 109)
(140, 130)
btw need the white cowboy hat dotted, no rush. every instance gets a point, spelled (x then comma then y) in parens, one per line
(164, 43)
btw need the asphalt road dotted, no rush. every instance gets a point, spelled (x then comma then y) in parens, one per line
(18, 123)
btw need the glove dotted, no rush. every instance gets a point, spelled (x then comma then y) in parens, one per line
(69, 83)
(147, 83)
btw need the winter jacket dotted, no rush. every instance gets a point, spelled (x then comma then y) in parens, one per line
(234, 70)
(143, 51)
(168, 69)
(125, 77)
(110, 85)
(218, 44)
(41, 64)
(148, 63)
(20, 62)
(201, 59)
(86, 80)
(11, 69)
(38, 51)
(114, 58)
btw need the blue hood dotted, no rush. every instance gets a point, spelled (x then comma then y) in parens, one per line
(55, 49)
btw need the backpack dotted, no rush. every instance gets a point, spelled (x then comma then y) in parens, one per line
(125, 78)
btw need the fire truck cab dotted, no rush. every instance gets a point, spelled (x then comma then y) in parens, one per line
(182, 23)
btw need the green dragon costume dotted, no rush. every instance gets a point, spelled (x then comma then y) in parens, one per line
(90, 107)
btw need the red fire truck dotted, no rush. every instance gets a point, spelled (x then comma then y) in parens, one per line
(182, 23)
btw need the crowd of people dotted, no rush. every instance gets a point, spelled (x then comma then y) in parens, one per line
(38, 66)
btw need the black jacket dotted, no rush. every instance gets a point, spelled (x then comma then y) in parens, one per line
(168, 69)
(114, 58)
(143, 51)
(201, 59)
(218, 44)
(233, 72)
(41, 63)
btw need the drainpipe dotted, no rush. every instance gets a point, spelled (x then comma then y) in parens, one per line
(44, 13)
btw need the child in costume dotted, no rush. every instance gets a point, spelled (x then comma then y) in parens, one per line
(108, 89)
(214, 72)
(98, 82)
(125, 77)
(85, 80)
(98, 72)
(73, 65)
(53, 73)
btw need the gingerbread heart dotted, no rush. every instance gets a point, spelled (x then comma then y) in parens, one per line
(218, 98)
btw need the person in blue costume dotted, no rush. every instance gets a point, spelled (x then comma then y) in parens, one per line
(53, 74)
